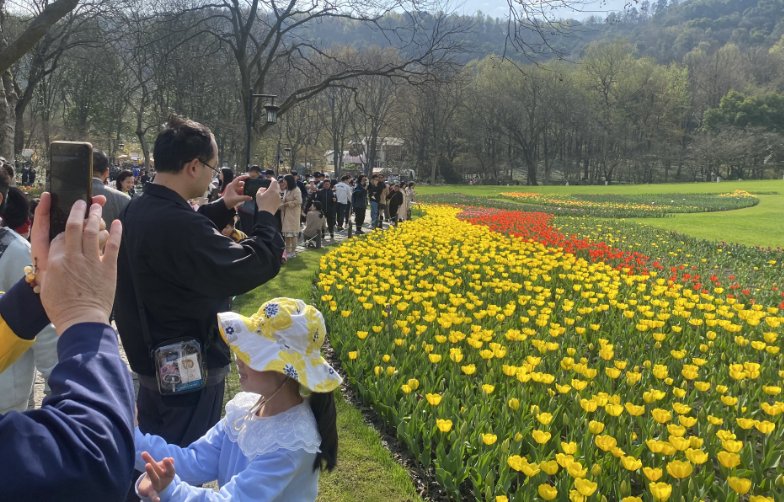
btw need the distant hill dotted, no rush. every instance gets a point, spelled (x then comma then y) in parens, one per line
(665, 30)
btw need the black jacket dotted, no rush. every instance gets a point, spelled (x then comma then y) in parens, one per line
(328, 200)
(394, 201)
(185, 271)
(359, 197)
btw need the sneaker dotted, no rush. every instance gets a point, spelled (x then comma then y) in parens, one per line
(359, 231)
(331, 236)
(339, 228)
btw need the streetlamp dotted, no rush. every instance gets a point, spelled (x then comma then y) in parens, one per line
(272, 116)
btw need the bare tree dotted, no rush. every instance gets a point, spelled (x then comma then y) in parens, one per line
(269, 39)
(13, 50)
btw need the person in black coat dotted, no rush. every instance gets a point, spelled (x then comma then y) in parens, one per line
(359, 201)
(329, 205)
(394, 201)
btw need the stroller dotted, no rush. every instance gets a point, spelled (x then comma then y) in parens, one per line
(313, 242)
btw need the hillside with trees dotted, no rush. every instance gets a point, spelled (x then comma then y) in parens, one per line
(664, 91)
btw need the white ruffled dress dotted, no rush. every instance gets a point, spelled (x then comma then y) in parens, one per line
(252, 458)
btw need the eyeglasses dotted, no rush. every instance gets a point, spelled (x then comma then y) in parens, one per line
(215, 169)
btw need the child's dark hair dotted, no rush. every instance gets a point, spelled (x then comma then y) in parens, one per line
(323, 407)
(316, 204)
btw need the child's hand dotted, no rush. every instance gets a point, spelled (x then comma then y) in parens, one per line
(159, 475)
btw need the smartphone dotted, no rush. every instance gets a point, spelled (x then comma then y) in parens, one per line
(70, 179)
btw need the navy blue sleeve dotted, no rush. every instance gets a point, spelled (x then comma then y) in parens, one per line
(79, 444)
(21, 309)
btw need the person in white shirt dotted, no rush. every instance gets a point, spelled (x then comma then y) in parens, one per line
(343, 193)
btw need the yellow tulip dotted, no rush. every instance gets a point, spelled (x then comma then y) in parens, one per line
(433, 399)
(679, 469)
(630, 463)
(698, 457)
(569, 448)
(540, 436)
(352, 356)
(444, 425)
(487, 388)
(586, 487)
(728, 460)
(547, 492)
(544, 418)
(468, 369)
(731, 445)
(760, 498)
(660, 491)
(661, 416)
(652, 473)
(605, 443)
(739, 485)
(489, 439)
(549, 467)
(595, 427)
(764, 426)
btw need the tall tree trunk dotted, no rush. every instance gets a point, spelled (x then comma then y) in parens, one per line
(8, 99)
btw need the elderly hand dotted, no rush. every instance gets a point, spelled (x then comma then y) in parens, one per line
(39, 236)
(234, 193)
(77, 278)
(268, 199)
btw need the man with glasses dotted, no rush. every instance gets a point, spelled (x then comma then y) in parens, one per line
(176, 271)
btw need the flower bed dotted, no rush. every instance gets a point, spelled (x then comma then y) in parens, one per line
(516, 369)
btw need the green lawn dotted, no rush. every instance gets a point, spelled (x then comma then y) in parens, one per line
(760, 225)
(366, 470)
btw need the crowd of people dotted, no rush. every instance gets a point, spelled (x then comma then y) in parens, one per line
(166, 272)
(315, 207)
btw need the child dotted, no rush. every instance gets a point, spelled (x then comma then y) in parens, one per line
(274, 440)
(314, 224)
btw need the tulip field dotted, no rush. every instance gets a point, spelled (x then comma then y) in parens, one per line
(520, 356)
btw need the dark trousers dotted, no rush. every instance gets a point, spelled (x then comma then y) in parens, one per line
(330, 222)
(382, 212)
(359, 217)
(180, 420)
(344, 213)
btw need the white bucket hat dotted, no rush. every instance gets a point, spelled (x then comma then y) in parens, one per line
(285, 336)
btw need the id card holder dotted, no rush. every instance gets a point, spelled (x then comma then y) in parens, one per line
(179, 367)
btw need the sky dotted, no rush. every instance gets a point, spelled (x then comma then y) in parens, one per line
(580, 9)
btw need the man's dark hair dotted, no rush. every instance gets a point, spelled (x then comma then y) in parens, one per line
(374, 177)
(181, 141)
(345, 177)
(100, 162)
(254, 168)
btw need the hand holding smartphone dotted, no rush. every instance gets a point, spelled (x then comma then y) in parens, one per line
(69, 179)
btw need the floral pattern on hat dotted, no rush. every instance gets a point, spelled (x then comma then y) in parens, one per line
(285, 335)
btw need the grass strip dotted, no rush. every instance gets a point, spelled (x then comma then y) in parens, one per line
(366, 470)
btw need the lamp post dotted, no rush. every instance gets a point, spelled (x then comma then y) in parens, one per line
(272, 116)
